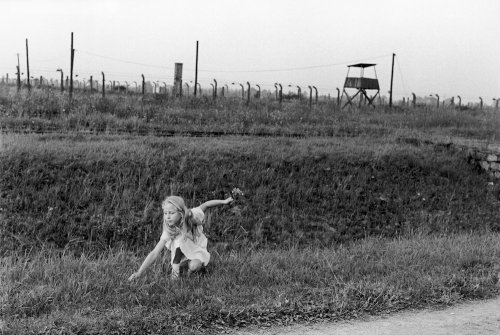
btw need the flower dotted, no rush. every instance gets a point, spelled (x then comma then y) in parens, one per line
(236, 192)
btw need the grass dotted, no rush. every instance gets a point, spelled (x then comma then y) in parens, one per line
(103, 191)
(46, 110)
(345, 212)
(51, 292)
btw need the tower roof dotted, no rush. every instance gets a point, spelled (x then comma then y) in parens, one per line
(362, 65)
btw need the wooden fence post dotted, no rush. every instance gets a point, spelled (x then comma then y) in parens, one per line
(143, 83)
(103, 85)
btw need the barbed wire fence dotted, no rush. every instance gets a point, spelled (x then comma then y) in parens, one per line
(150, 83)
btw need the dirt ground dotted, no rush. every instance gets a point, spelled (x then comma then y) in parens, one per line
(475, 318)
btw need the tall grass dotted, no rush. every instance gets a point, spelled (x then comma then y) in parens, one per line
(52, 292)
(102, 191)
(47, 110)
(353, 214)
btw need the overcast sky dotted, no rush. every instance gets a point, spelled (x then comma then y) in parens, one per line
(448, 47)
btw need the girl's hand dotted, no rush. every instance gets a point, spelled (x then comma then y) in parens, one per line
(228, 201)
(236, 192)
(134, 276)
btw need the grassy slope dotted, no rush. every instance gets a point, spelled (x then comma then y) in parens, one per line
(302, 198)
(268, 263)
(45, 110)
(51, 292)
(107, 190)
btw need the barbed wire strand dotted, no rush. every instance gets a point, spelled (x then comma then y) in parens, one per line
(401, 75)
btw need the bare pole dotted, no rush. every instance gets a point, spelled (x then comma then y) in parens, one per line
(310, 96)
(18, 74)
(166, 92)
(143, 83)
(281, 93)
(62, 79)
(196, 71)
(248, 93)
(71, 68)
(103, 85)
(28, 66)
(392, 78)
(242, 92)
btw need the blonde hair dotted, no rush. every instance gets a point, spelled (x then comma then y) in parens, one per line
(186, 217)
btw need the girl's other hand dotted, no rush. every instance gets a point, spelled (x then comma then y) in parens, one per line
(228, 200)
(133, 276)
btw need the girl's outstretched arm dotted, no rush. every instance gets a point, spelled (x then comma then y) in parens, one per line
(213, 203)
(150, 258)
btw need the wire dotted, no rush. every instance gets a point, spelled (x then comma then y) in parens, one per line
(86, 72)
(236, 71)
(35, 60)
(295, 68)
(401, 75)
(121, 60)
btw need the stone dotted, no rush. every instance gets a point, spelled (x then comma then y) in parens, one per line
(495, 166)
(493, 147)
(485, 165)
(492, 158)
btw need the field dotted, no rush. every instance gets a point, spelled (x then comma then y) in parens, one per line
(344, 212)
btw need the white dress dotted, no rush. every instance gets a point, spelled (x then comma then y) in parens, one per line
(192, 248)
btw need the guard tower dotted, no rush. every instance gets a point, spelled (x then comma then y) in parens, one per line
(360, 85)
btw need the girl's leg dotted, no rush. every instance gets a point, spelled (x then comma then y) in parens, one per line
(194, 265)
(178, 256)
(176, 266)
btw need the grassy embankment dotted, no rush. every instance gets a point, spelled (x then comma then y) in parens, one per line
(329, 228)
(48, 110)
(284, 253)
(55, 293)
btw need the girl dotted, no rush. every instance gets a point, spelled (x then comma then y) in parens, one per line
(182, 235)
